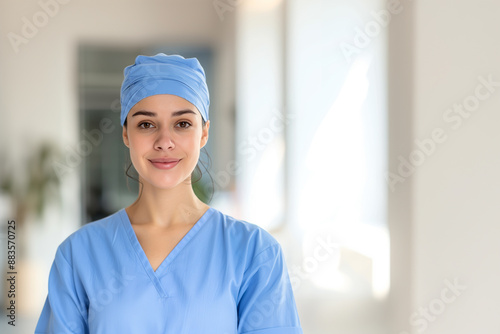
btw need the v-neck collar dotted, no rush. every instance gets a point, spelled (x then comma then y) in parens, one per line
(163, 267)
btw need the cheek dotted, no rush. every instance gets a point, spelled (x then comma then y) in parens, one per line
(138, 143)
(137, 148)
(188, 140)
(194, 145)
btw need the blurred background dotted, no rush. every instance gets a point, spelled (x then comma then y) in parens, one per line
(361, 134)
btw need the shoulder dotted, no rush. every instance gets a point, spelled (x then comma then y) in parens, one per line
(245, 235)
(91, 234)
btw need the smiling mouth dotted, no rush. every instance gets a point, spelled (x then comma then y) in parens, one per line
(164, 163)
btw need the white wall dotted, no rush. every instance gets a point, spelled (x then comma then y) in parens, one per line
(458, 188)
(452, 197)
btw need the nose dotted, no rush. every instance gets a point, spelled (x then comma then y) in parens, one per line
(164, 141)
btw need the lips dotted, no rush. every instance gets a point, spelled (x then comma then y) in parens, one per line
(164, 160)
(164, 163)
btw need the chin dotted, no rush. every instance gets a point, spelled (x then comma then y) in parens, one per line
(166, 183)
(160, 179)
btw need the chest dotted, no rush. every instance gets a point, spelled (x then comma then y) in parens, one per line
(157, 243)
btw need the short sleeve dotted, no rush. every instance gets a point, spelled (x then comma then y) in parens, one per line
(65, 308)
(266, 304)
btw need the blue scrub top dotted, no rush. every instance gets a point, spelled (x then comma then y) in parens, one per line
(225, 276)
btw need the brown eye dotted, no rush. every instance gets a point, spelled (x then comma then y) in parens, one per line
(184, 124)
(145, 125)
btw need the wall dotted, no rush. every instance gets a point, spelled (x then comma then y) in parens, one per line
(457, 189)
(447, 212)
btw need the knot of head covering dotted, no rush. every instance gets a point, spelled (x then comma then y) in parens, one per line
(164, 74)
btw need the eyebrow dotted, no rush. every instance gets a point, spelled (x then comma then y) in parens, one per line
(153, 114)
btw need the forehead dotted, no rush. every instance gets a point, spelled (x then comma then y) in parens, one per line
(164, 106)
(164, 103)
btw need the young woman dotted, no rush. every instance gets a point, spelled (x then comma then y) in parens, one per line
(168, 263)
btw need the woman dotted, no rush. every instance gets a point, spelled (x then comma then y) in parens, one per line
(168, 263)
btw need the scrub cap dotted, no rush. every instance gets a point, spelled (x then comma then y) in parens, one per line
(164, 74)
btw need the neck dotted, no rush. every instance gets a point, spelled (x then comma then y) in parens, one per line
(166, 207)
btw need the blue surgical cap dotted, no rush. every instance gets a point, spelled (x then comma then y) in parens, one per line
(164, 74)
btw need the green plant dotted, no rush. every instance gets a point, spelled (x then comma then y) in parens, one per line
(33, 184)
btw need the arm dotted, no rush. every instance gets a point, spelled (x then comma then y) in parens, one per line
(265, 303)
(65, 309)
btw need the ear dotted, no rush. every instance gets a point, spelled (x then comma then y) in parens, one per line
(125, 136)
(204, 134)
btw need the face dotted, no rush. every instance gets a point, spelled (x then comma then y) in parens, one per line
(165, 134)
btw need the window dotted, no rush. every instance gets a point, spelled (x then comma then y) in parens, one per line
(317, 179)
